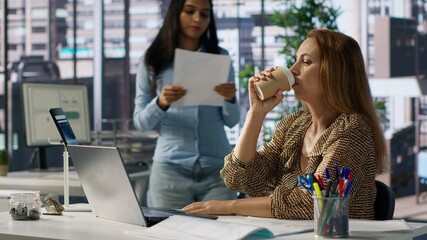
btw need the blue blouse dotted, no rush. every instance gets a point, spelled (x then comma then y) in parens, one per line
(186, 134)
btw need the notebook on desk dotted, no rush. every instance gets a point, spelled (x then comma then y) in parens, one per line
(108, 188)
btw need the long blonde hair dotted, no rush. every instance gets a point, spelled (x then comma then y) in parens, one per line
(345, 84)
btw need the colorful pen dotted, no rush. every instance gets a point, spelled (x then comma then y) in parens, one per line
(328, 177)
(329, 183)
(317, 190)
(347, 189)
(340, 187)
(320, 181)
(337, 172)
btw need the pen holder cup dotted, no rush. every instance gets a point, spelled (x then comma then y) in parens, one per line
(331, 216)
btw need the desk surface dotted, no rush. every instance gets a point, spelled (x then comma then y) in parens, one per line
(71, 225)
(45, 182)
(50, 182)
(78, 225)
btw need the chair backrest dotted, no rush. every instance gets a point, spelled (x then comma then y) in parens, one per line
(384, 202)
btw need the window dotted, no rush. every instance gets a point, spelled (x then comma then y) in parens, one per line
(13, 47)
(39, 29)
(39, 13)
(39, 46)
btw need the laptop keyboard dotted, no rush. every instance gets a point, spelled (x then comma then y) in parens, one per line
(154, 213)
(167, 212)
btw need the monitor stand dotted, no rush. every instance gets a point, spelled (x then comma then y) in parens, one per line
(78, 207)
(41, 156)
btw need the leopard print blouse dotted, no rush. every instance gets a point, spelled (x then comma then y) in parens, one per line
(348, 142)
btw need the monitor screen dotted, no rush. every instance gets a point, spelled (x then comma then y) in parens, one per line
(38, 98)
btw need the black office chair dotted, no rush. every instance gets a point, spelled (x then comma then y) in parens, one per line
(38, 69)
(384, 202)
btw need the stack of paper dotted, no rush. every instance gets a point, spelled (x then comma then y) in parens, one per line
(190, 228)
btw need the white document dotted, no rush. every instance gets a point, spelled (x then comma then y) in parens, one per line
(278, 227)
(190, 228)
(199, 73)
(369, 227)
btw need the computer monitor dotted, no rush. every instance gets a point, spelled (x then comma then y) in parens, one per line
(40, 130)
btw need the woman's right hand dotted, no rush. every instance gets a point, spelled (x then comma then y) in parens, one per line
(246, 146)
(170, 94)
(256, 104)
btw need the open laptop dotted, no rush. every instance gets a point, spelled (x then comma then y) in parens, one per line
(108, 188)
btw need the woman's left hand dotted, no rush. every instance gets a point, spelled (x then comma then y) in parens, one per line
(214, 207)
(227, 90)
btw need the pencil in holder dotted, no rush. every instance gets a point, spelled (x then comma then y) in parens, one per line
(331, 216)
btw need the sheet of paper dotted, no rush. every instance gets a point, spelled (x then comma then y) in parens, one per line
(278, 227)
(199, 73)
(225, 228)
(191, 228)
(389, 226)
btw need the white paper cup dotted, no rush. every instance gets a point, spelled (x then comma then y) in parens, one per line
(282, 80)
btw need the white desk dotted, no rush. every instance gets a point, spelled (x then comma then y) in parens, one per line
(53, 182)
(45, 182)
(77, 225)
(71, 225)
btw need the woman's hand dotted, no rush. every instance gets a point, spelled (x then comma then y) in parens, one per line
(256, 206)
(227, 90)
(170, 94)
(256, 104)
(213, 207)
(262, 76)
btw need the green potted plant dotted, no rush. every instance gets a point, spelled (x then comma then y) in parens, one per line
(4, 162)
(298, 18)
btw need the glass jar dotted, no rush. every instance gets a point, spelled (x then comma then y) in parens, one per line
(25, 206)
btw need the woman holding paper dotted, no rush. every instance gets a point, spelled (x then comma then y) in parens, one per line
(338, 126)
(192, 143)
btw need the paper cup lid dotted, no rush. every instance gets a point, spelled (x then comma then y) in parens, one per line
(289, 76)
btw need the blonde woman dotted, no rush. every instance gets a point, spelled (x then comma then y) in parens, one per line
(338, 126)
